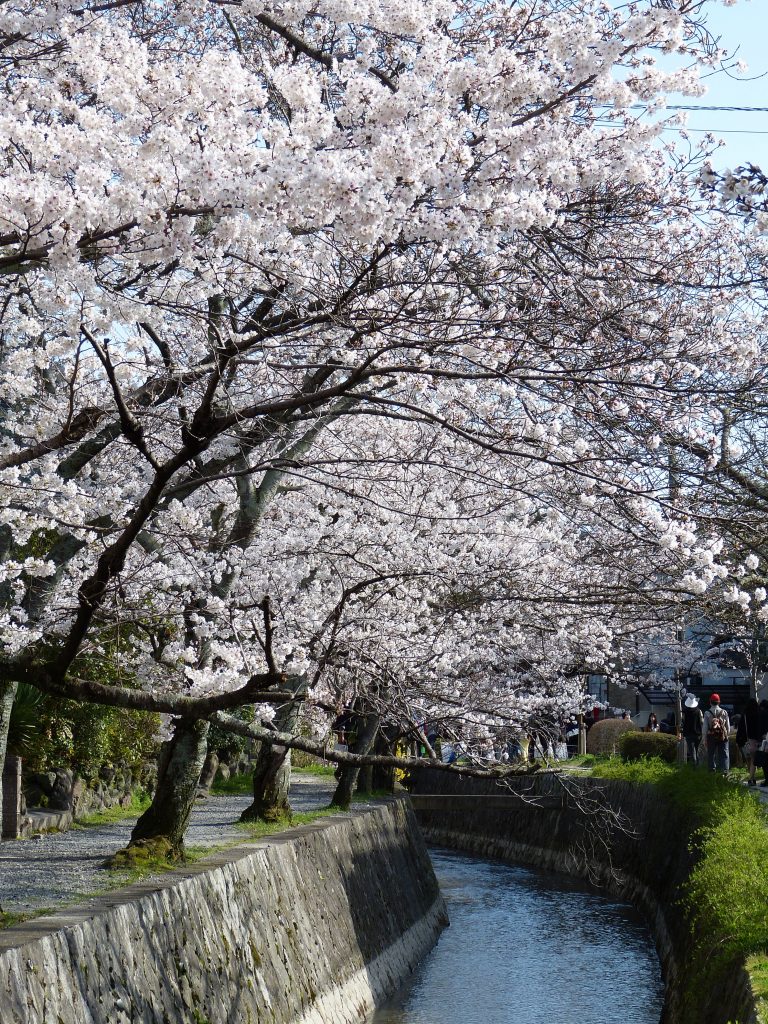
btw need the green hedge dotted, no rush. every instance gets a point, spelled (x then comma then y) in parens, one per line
(635, 745)
(603, 737)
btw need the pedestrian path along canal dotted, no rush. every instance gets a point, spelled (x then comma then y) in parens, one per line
(531, 946)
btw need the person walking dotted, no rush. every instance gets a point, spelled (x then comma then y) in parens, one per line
(763, 708)
(693, 722)
(749, 736)
(716, 729)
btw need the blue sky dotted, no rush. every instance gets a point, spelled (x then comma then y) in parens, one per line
(743, 28)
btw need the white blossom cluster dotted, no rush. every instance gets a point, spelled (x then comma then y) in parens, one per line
(350, 341)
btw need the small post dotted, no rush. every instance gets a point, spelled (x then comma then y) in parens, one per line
(11, 809)
(582, 734)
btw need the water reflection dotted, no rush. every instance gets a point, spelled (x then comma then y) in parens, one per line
(530, 947)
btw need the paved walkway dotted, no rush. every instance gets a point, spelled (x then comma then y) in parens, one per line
(65, 867)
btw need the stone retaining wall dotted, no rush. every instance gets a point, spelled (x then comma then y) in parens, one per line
(314, 926)
(645, 860)
(64, 790)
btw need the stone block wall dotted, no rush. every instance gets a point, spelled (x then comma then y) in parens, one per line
(65, 790)
(312, 926)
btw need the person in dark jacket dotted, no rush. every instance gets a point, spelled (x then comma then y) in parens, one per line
(763, 705)
(668, 726)
(692, 726)
(749, 736)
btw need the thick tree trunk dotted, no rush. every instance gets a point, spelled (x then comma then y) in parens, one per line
(168, 814)
(365, 780)
(272, 774)
(7, 697)
(383, 776)
(367, 728)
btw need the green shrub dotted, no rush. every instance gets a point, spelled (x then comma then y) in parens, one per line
(23, 724)
(603, 737)
(635, 745)
(647, 770)
(84, 737)
(228, 746)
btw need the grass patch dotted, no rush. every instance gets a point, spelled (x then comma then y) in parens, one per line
(727, 890)
(757, 968)
(261, 829)
(579, 761)
(243, 784)
(697, 794)
(235, 785)
(141, 861)
(647, 769)
(8, 918)
(325, 770)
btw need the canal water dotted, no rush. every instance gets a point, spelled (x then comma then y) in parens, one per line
(530, 947)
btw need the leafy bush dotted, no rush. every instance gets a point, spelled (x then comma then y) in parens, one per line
(84, 737)
(648, 769)
(23, 724)
(603, 737)
(55, 733)
(228, 746)
(635, 745)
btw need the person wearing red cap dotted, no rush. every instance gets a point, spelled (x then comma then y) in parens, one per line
(716, 730)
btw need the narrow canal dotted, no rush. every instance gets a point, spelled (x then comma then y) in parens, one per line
(530, 947)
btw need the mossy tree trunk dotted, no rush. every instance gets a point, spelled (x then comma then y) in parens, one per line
(367, 727)
(272, 774)
(168, 814)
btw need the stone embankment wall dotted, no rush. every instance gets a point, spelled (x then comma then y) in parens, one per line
(622, 836)
(65, 790)
(312, 926)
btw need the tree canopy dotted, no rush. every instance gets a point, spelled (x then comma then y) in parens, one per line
(357, 349)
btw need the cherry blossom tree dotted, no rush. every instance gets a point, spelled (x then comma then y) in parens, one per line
(239, 241)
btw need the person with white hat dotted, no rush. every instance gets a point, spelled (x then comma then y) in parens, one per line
(693, 722)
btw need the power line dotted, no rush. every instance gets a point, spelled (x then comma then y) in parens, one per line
(681, 106)
(713, 131)
(701, 131)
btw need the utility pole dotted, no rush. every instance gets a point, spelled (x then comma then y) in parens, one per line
(679, 701)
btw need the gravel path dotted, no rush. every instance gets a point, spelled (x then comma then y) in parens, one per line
(65, 867)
